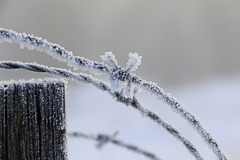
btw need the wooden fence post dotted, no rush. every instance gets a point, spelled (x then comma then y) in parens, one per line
(33, 120)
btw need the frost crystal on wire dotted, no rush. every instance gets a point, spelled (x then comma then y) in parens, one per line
(133, 62)
(118, 74)
(110, 58)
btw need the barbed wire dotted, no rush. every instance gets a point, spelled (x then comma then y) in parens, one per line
(105, 87)
(116, 74)
(103, 139)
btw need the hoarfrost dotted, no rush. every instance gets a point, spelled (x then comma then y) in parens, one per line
(110, 58)
(133, 62)
(117, 77)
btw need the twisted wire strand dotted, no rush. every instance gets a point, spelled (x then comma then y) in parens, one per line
(104, 138)
(58, 52)
(104, 87)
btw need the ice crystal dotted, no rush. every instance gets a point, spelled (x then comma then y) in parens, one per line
(110, 58)
(133, 62)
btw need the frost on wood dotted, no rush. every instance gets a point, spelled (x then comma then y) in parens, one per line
(32, 120)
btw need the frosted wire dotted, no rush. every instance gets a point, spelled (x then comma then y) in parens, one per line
(120, 74)
(105, 87)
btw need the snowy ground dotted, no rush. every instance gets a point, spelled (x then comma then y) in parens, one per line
(215, 102)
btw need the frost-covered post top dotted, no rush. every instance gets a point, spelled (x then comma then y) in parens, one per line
(33, 120)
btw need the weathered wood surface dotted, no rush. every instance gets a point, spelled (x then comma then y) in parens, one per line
(33, 120)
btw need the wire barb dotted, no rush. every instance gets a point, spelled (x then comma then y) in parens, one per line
(104, 138)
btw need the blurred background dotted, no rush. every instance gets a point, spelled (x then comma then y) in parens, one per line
(189, 47)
